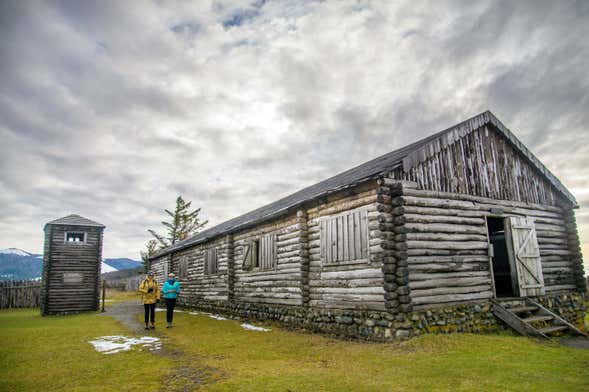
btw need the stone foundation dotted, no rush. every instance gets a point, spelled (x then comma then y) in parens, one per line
(570, 306)
(385, 326)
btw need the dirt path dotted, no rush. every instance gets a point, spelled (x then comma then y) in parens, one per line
(576, 342)
(186, 375)
(126, 313)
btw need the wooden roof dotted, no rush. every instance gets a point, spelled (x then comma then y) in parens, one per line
(407, 156)
(74, 220)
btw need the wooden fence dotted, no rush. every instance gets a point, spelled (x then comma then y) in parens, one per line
(133, 282)
(20, 294)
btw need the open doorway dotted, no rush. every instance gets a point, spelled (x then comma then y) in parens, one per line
(502, 273)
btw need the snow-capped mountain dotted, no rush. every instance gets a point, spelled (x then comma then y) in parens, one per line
(107, 268)
(15, 251)
(18, 264)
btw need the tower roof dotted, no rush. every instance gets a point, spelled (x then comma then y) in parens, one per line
(75, 220)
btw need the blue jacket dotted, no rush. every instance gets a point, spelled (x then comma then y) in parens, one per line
(171, 290)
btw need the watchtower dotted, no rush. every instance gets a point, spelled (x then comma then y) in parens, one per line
(72, 258)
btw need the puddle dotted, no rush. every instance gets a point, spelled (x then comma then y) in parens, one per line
(116, 344)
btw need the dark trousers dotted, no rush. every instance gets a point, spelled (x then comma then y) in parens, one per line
(149, 312)
(170, 304)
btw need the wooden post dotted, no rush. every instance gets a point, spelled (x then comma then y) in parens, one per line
(103, 293)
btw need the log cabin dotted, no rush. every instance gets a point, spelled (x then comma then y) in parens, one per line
(72, 258)
(452, 233)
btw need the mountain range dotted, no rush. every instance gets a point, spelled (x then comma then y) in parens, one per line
(17, 264)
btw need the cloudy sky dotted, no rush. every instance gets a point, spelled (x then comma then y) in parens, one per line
(112, 109)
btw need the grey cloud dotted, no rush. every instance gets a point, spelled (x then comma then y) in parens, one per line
(112, 109)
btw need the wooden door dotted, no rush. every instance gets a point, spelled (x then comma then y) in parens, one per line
(524, 255)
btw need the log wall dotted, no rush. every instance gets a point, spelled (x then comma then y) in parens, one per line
(198, 286)
(71, 271)
(446, 241)
(278, 285)
(300, 276)
(157, 267)
(349, 285)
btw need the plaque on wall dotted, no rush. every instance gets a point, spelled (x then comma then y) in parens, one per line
(72, 277)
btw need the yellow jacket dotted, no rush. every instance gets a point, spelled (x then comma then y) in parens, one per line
(149, 297)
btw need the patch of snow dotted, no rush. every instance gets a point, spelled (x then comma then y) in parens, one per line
(116, 344)
(14, 251)
(160, 309)
(254, 328)
(107, 268)
(213, 316)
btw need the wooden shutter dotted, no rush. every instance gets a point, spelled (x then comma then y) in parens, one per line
(210, 261)
(248, 256)
(344, 237)
(267, 251)
(213, 261)
(183, 267)
(525, 255)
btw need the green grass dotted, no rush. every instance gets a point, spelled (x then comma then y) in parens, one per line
(113, 296)
(52, 353)
(281, 360)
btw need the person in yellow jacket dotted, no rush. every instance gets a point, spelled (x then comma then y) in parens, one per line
(150, 295)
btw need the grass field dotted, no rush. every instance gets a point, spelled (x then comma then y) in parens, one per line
(53, 353)
(113, 296)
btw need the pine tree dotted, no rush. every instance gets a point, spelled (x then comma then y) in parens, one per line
(183, 224)
(150, 249)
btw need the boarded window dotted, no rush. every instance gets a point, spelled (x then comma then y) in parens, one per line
(211, 265)
(344, 237)
(525, 254)
(183, 268)
(166, 269)
(260, 253)
(267, 252)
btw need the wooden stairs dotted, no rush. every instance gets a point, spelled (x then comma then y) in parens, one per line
(529, 318)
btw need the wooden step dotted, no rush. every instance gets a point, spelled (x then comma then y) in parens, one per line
(523, 309)
(549, 330)
(534, 319)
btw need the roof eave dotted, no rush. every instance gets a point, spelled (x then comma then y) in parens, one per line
(269, 217)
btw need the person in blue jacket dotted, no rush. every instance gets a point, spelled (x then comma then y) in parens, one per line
(170, 290)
